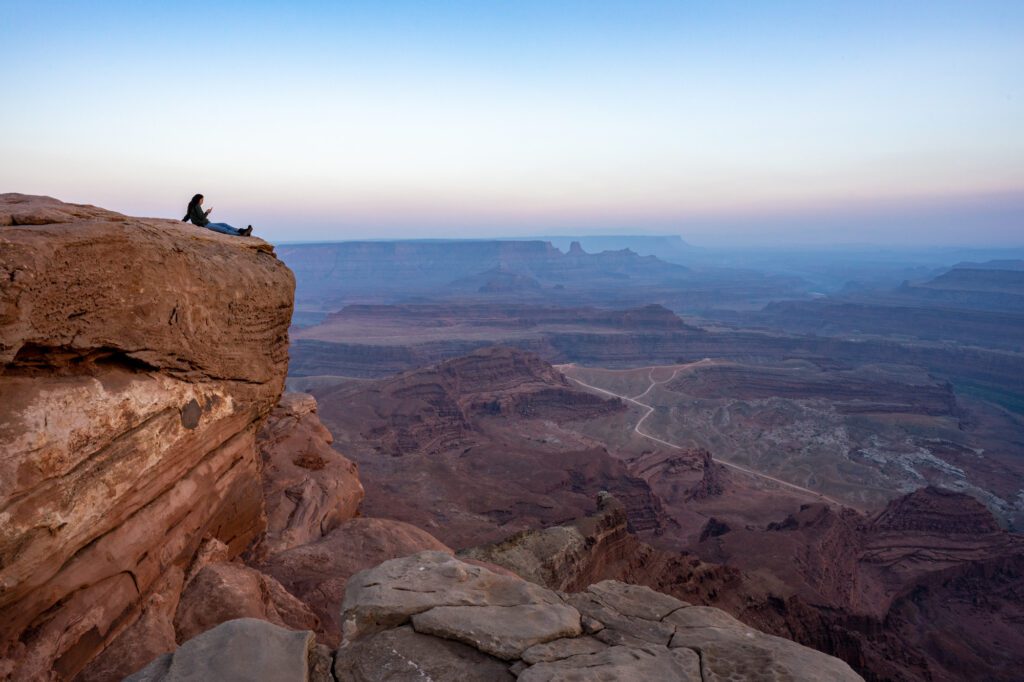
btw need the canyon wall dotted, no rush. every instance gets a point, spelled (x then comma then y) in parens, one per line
(138, 359)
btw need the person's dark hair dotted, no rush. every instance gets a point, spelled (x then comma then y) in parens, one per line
(191, 205)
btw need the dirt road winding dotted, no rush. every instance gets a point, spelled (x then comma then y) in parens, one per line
(649, 409)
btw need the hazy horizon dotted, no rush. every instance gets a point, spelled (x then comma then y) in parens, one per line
(725, 124)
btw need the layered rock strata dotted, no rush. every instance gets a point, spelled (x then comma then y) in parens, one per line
(928, 588)
(569, 556)
(300, 587)
(138, 359)
(601, 547)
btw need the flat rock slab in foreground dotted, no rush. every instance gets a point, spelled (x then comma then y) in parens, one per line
(467, 620)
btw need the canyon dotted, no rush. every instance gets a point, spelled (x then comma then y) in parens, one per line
(741, 432)
(861, 420)
(777, 556)
(376, 340)
(169, 512)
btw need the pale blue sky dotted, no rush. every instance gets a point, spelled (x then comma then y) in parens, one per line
(895, 122)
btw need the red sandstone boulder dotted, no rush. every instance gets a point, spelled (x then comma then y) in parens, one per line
(226, 591)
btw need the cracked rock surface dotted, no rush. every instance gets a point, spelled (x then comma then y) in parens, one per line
(537, 634)
(430, 616)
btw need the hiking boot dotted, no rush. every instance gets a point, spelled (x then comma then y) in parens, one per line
(246, 232)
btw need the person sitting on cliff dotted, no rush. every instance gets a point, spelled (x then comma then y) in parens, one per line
(198, 217)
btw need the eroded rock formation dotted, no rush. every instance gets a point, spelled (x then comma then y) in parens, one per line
(160, 500)
(573, 555)
(309, 487)
(139, 358)
(601, 547)
(893, 593)
(225, 591)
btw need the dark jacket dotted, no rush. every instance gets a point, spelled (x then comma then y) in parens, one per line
(197, 216)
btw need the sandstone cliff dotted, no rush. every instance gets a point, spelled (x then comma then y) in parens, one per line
(600, 547)
(139, 358)
(295, 574)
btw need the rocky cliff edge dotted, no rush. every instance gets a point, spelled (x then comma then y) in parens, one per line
(138, 359)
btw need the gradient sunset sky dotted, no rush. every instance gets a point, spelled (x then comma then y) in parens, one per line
(725, 122)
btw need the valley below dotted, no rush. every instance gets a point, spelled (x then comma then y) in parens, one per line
(485, 449)
(840, 484)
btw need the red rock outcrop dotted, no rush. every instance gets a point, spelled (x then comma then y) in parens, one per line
(683, 474)
(600, 547)
(152, 634)
(215, 590)
(224, 591)
(433, 409)
(138, 359)
(309, 487)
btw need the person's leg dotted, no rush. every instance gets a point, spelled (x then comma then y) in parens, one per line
(223, 228)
